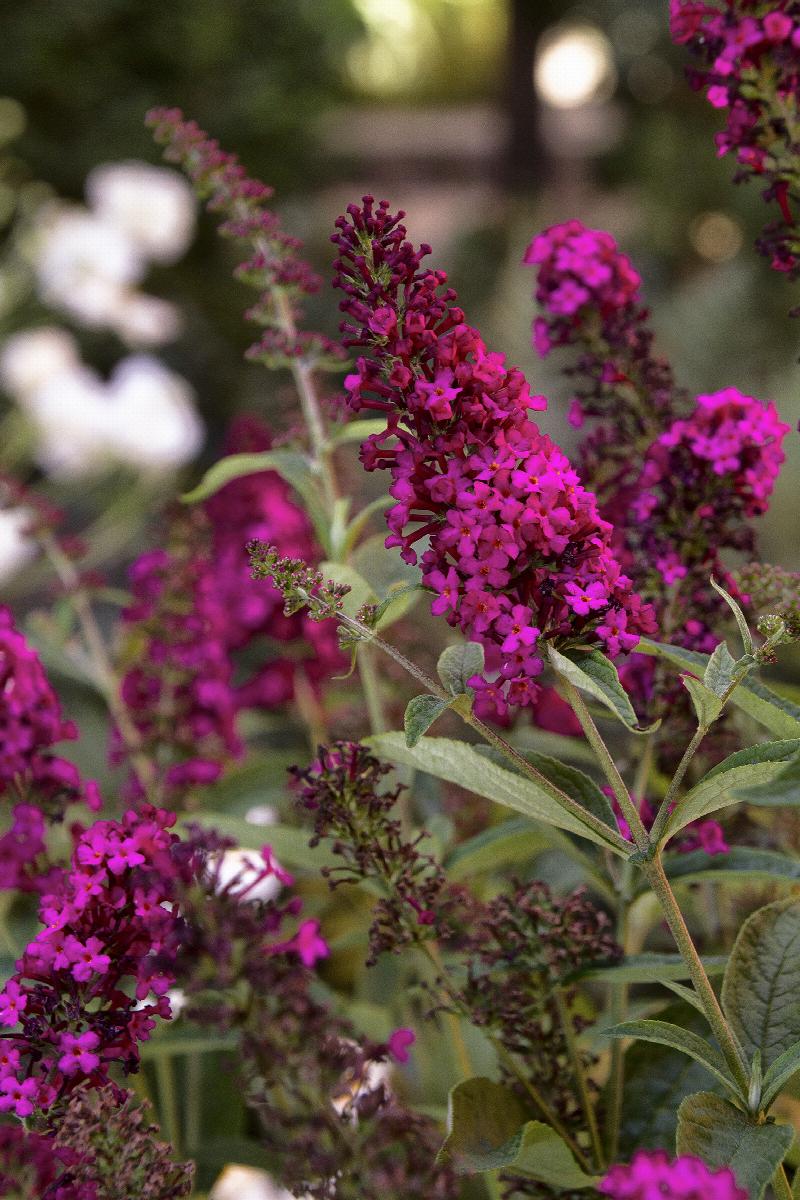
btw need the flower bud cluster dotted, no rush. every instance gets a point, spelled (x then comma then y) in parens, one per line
(516, 548)
(751, 68)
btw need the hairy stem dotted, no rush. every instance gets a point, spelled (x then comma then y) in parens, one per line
(587, 1104)
(618, 1007)
(780, 1184)
(656, 877)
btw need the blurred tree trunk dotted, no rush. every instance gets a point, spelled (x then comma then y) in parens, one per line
(526, 159)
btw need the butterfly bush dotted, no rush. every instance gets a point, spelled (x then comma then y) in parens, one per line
(652, 1176)
(680, 483)
(517, 550)
(751, 69)
(39, 783)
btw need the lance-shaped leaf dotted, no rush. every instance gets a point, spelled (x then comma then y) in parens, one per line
(646, 968)
(741, 620)
(761, 988)
(777, 714)
(723, 1136)
(665, 1034)
(786, 1065)
(593, 673)
(718, 789)
(781, 791)
(291, 465)
(457, 664)
(421, 712)
(720, 670)
(707, 704)
(487, 1130)
(572, 780)
(459, 763)
(739, 864)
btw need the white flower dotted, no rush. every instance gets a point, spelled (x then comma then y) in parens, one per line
(82, 262)
(29, 358)
(15, 547)
(240, 868)
(154, 206)
(70, 412)
(142, 320)
(247, 1183)
(143, 417)
(261, 814)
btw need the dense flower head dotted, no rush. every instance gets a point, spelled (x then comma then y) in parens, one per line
(517, 550)
(33, 1166)
(750, 50)
(178, 688)
(653, 1176)
(261, 506)
(89, 986)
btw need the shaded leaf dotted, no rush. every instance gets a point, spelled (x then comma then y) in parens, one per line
(761, 988)
(741, 621)
(720, 670)
(570, 779)
(783, 790)
(460, 763)
(357, 431)
(484, 1121)
(360, 591)
(784, 1067)
(544, 1156)
(647, 968)
(707, 704)
(678, 1038)
(723, 1136)
(718, 789)
(421, 712)
(457, 664)
(596, 675)
(739, 863)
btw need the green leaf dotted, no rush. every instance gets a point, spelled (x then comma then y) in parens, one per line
(596, 675)
(777, 714)
(781, 791)
(740, 863)
(723, 1136)
(761, 988)
(707, 704)
(484, 1120)
(647, 968)
(357, 431)
(457, 664)
(741, 621)
(570, 779)
(544, 1156)
(487, 1130)
(291, 465)
(720, 670)
(519, 841)
(677, 1038)
(421, 712)
(657, 1078)
(460, 763)
(400, 600)
(718, 789)
(360, 521)
(785, 1066)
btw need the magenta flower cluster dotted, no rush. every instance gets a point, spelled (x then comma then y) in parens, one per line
(517, 550)
(260, 507)
(41, 782)
(652, 1176)
(751, 57)
(88, 987)
(179, 691)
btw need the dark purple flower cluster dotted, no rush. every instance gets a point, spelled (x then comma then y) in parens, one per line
(274, 267)
(41, 783)
(260, 507)
(33, 1167)
(517, 550)
(652, 1175)
(88, 987)
(178, 688)
(343, 791)
(751, 55)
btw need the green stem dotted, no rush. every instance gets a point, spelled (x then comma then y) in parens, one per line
(780, 1184)
(609, 767)
(168, 1100)
(656, 877)
(192, 1117)
(370, 683)
(434, 954)
(565, 1017)
(677, 779)
(618, 995)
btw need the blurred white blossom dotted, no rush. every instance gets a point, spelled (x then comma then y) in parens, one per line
(142, 320)
(16, 548)
(29, 358)
(247, 1183)
(154, 206)
(241, 868)
(143, 416)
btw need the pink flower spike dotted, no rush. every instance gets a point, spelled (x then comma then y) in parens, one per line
(399, 1044)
